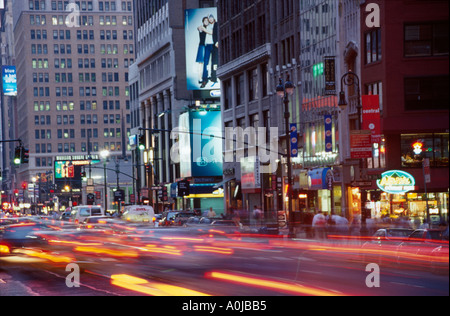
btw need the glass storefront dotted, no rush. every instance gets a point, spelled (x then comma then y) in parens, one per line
(411, 205)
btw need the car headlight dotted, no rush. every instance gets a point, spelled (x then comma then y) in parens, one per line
(4, 249)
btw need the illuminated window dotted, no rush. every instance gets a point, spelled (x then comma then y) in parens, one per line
(416, 147)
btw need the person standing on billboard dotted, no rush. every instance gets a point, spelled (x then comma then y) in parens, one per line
(200, 60)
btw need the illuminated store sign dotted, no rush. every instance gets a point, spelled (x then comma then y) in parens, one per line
(396, 182)
(418, 148)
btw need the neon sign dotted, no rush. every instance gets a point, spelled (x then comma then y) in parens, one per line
(396, 182)
(418, 148)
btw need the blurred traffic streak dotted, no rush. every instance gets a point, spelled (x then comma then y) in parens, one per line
(276, 285)
(152, 288)
(203, 261)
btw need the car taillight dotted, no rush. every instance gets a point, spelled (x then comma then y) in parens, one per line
(4, 249)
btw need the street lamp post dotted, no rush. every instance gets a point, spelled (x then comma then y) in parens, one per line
(284, 90)
(352, 79)
(105, 155)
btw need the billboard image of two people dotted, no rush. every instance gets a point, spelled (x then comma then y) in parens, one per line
(202, 49)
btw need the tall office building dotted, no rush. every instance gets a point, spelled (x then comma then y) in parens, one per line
(72, 69)
(161, 93)
(259, 44)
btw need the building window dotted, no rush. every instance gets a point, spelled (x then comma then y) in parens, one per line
(240, 90)
(426, 39)
(253, 84)
(228, 103)
(416, 147)
(373, 46)
(426, 93)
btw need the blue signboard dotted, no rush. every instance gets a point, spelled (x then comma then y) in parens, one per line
(294, 141)
(201, 148)
(9, 78)
(328, 119)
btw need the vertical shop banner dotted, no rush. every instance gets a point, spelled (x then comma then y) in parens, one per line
(328, 119)
(294, 141)
(371, 116)
(9, 78)
(330, 76)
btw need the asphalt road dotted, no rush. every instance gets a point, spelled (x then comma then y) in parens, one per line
(166, 262)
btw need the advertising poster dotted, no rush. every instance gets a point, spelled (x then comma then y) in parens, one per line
(202, 54)
(201, 146)
(9, 78)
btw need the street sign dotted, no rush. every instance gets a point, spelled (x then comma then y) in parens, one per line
(119, 195)
(361, 144)
(183, 188)
(362, 184)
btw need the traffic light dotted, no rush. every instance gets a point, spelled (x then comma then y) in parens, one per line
(25, 155)
(142, 142)
(18, 156)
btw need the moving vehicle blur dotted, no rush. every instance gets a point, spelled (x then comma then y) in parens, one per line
(425, 247)
(384, 242)
(139, 214)
(80, 213)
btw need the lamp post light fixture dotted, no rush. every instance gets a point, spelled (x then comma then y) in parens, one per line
(351, 79)
(284, 91)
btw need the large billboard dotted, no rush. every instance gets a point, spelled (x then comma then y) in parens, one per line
(202, 49)
(201, 147)
(9, 78)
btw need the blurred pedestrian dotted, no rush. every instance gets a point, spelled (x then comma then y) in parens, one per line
(319, 225)
(257, 215)
(424, 225)
(236, 218)
(211, 213)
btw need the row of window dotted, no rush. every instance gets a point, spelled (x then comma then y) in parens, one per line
(83, 91)
(62, 49)
(81, 5)
(420, 40)
(86, 63)
(84, 119)
(253, 85)
(70, 133)
(70, 148)
(84, 105)
(81, 35)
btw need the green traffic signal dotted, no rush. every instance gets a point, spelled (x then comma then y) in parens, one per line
(18, 156)
(142, 142)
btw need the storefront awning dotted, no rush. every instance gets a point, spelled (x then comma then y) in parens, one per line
(317, 179)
